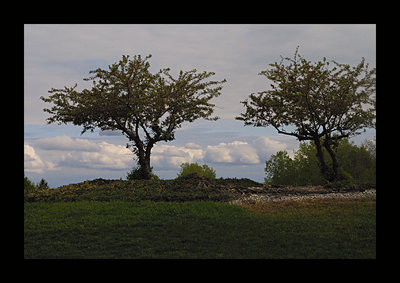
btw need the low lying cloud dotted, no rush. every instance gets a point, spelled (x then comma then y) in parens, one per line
(266, 146)
(66, 152)
(107, 156)
(33, 163)
(170, 157)
(233, 152)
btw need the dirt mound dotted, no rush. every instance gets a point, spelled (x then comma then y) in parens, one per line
(195, 181)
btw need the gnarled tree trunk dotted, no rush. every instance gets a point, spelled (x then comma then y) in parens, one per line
(320, 155)
(335, 164)
(144, 160)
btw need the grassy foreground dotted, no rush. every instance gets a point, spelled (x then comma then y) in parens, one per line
(200, 229)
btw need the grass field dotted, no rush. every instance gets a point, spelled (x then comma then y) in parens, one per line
(200, 229)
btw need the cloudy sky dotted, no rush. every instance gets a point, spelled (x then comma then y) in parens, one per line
(62, 55)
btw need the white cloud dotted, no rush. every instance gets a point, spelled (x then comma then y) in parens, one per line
(233, 152)
(62, 152)
(107, 156)
(32, 161)
(171, 157)
(253, 151)
(91, 158)
(218, 153)
(67, 152)
(266, 146)
(269, 145)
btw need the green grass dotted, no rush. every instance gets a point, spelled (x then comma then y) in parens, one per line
(136, 190)
(200, 229)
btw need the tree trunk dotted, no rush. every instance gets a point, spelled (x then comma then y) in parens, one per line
(335, 164)
(320, 155)
(144, 160)
(145, 167)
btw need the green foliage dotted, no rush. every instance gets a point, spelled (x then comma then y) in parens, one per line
(302, 170)
(28, 185)
(134, 190)
(43, 185)
(193, 168)
(280, 169)
(357, 166)
(145, 107)
(137, 174)
(319, 99)
(325, 100)
(306, 164)
(188, 188)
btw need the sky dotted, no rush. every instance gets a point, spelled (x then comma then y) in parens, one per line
(58, 55)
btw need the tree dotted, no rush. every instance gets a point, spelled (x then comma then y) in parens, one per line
(358, 161)
(145, 107)
(43, 185)
(306, 164)
(323, 102)
(280, 169)
(194, 168)
(29, 186)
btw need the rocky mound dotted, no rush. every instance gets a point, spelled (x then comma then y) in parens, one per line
(194, 181)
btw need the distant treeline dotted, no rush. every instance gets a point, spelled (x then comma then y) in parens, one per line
(357, 165)
(30, 186)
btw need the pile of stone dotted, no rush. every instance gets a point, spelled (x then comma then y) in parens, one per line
(281, 193)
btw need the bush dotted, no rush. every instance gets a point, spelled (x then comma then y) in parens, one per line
(194, 168)
(43, 185)
(136, 174)
(280, 169)
(357, 165)
(28, 185)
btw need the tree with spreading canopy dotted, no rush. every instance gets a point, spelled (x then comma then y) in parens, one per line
(322, 102)
(145, 107)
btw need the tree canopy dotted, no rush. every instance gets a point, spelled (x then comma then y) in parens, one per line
(145, 107)
(323, 101)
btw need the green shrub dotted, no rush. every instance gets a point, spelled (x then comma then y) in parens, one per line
(280, 169)
(28, 185)
(31, 188)
(357, 165)
(43, 185)
(194, 168)
(136, 174)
